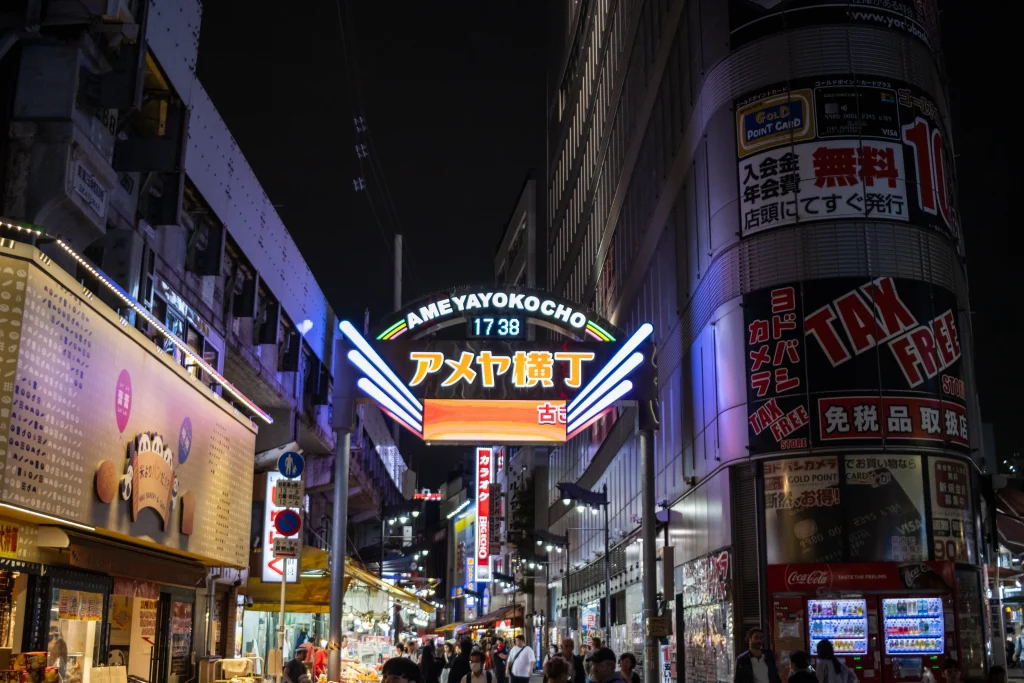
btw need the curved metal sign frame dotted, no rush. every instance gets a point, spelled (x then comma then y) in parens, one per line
(443, 309)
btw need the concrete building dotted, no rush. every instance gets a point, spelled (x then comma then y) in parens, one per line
(109, 141)
(742, 175)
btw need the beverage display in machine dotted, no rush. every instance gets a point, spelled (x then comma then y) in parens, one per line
(844, 622)
(913, 626)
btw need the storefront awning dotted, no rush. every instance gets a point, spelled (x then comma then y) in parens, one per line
(1011, 532)
(493, 617)
(312, 594)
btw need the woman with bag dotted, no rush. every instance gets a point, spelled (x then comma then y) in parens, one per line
(830, 669)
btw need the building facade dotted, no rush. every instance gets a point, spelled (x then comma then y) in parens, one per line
(772, 187)
(117, 167)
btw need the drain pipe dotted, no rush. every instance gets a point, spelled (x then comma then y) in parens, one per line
(211, 593)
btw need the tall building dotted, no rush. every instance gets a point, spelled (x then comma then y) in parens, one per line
(771, 186)
(139, 207)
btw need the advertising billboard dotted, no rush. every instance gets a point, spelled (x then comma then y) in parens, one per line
(952, 518)
(853, 362)
(884, 505)
(103, 430)
(750, 20)
(832, 148)
(484, 470)
(803, 516)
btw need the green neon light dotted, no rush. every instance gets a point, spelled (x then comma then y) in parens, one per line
(599, 329)
(390, 329)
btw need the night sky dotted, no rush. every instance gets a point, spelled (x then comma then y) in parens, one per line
(454, 97)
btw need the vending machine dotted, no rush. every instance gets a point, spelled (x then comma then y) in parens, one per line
(887, 622)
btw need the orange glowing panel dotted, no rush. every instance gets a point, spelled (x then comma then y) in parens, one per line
(493, 421)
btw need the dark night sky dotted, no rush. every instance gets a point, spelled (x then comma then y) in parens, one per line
(454, 94)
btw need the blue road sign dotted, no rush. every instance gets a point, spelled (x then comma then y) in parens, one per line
(288, 522)
(291, 464)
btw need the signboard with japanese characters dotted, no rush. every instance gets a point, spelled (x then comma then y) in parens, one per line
(843, 148)
(884, 504)
(803, 516)
(750, 20)
(484, 470)
(852, 362)
(952, 517)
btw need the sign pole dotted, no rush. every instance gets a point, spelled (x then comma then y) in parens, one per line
(648, 533)
(280, 627)
(339, 523)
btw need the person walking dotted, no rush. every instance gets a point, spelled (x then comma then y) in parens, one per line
(400, 670)
(500, 660)
(830, 669)
(521, 661)
(557, 670)
(800, 663)
(627, 668)
(460, 665)
(430, 666)
(477, 672)
(602, 666)
(757, 664)
(577, 673)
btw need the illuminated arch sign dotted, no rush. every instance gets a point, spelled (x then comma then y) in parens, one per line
(499, 391)
(496, 313)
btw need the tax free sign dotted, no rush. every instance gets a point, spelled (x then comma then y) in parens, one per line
(499, 391)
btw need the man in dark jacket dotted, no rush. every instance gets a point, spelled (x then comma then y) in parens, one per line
(757, 664)
(577, 673)
(460, 667)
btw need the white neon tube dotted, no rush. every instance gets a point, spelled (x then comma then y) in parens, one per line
(609, 398)
(349, 331)
(382, 383)
(385, 400)
(642, 333)
(617, 376)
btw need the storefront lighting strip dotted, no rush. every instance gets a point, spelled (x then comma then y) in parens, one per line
(134, 305)
(459, 509)
(58, 520)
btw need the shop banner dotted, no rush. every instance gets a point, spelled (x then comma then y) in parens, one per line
(952, 518)
(849, 362)
(860, 577)
(750, 20)
(130, 445)
(820, 149)
(803, 517)
(884, 504)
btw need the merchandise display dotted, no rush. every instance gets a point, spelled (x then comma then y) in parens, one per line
(844, 622)
(913, 626)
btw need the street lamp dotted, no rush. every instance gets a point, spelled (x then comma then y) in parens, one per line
(594, 499)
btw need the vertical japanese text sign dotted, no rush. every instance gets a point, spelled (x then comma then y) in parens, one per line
(484, 458)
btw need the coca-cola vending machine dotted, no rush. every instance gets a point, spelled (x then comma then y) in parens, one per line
(886, 621)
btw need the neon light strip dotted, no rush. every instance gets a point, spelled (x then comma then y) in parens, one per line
(613, 379)
(396, 419)
(170, 336)
(382, 383)
(601, 332)
(642, 333)
(595, 335)
(398, 334)
(390, 331)
(349, 331)
(385, 401)
(572, 435)
(29, 511)
(608, 399)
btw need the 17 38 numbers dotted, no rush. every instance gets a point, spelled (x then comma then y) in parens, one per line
(495, 327)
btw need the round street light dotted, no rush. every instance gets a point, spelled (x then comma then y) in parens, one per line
(391, 522)
(403, 519)
(540, 542)
(425, 552)
(593, 511)
(549, 547)
(581, 507)
(566, 502)
(415, 513)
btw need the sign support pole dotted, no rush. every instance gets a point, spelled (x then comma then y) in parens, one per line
(280, 623)
(650, 559)
(607, 569)
(339, 525)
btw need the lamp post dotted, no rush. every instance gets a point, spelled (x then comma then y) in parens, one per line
(586, 498)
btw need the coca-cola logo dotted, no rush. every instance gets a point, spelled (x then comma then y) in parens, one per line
(910, 574)
(814, 578)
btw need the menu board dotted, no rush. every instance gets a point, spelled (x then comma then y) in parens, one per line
(884, 504)
(952, 521)
(803, 517)
(118, 417)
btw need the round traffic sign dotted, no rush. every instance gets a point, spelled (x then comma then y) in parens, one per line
(288, 522)
(291, 464)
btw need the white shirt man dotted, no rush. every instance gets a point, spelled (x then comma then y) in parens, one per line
(521, 661)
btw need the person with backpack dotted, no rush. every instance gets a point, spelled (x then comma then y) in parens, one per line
(477, 672)
(830, 669)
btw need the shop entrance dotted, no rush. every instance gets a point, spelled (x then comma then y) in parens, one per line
(151, 629)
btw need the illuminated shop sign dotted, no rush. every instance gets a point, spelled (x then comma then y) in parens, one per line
(494, 390)
(492, 313)
(427, 495)
(484, 468)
